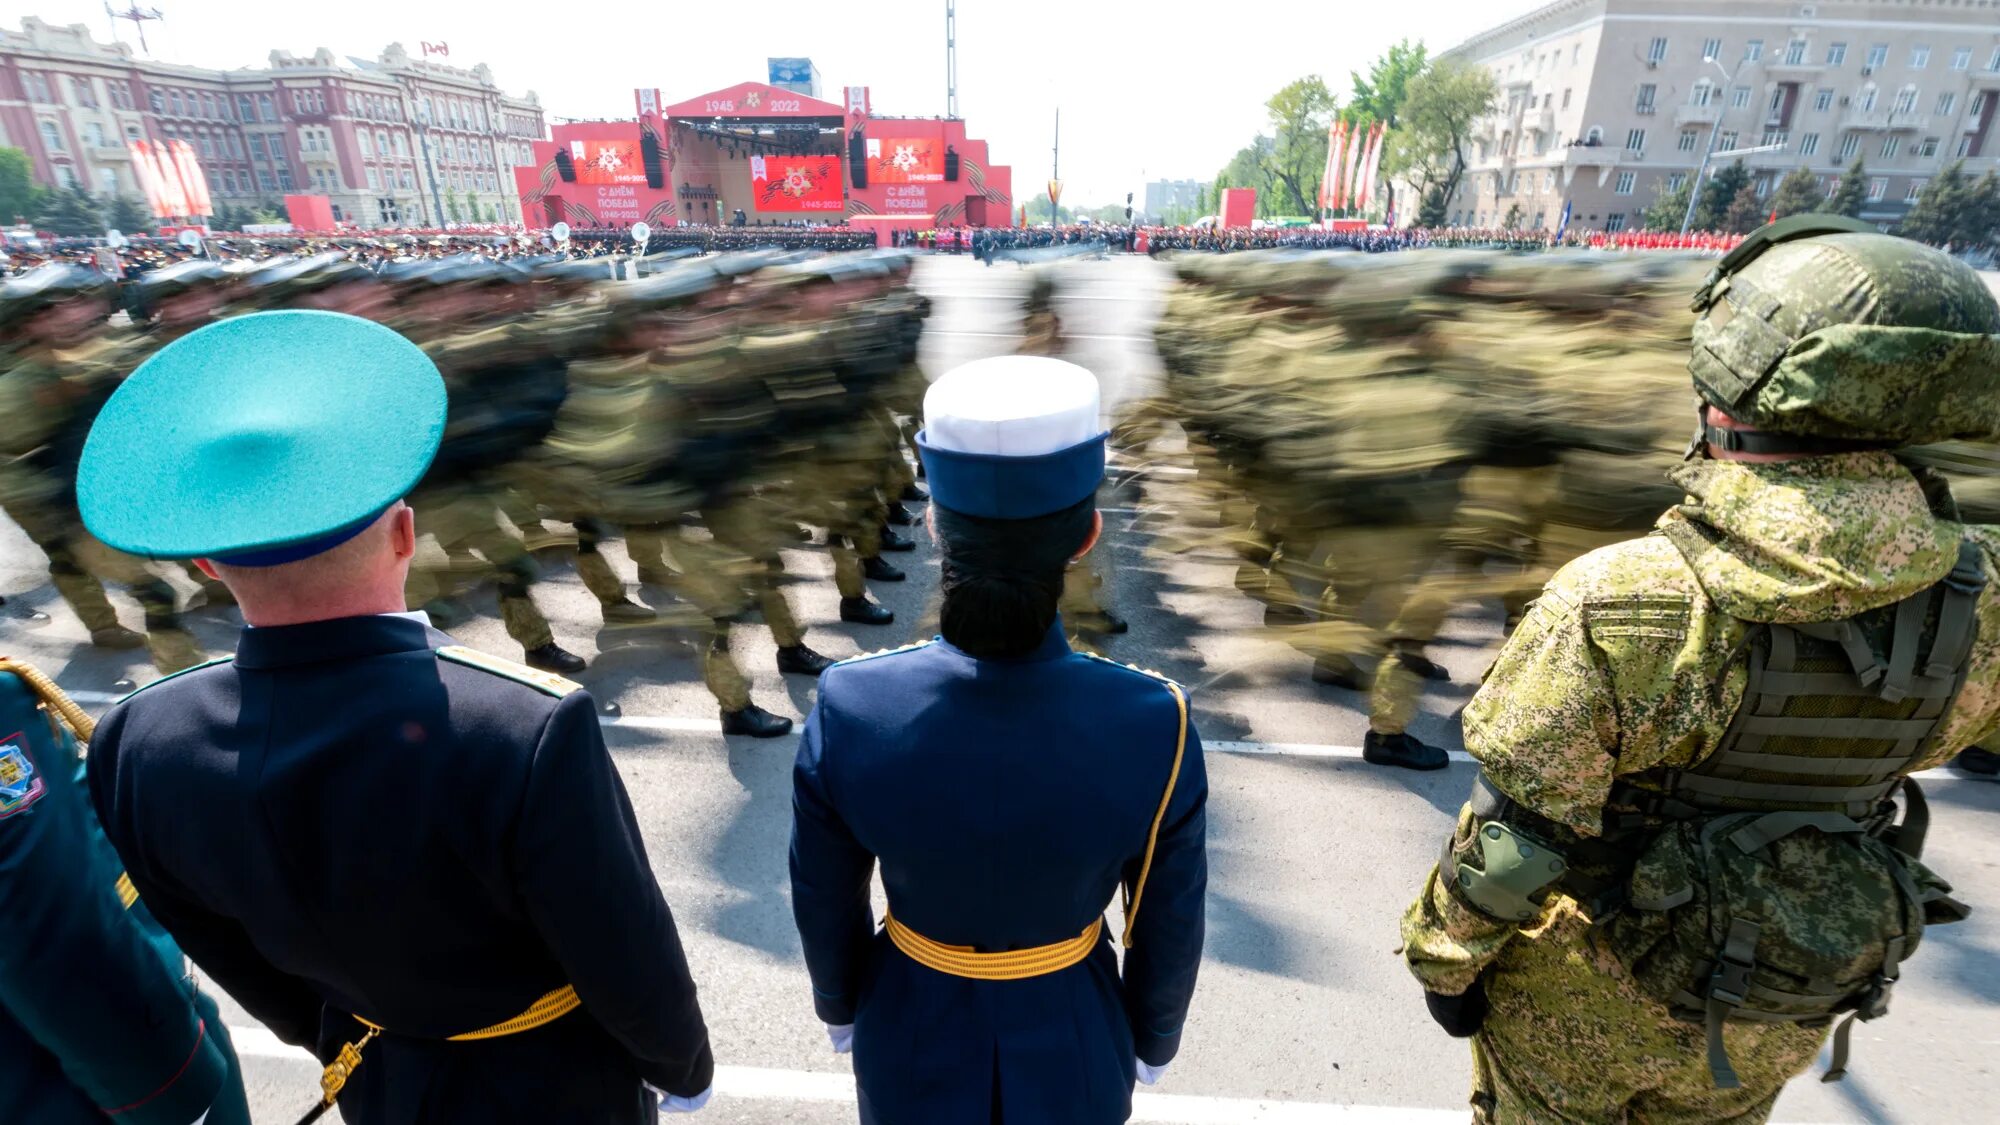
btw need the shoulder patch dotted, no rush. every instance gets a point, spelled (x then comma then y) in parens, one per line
(1146, 672)
(20, 785)
(177, 675)
(1638, 615)
(885, 652)
(546, 682)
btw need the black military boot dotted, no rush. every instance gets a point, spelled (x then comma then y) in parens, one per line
(900, 516)
(914, 495)
(874, 567)
(1402, 750)
(625, 611)
(1974, 759)
(894, 542)
(1424, 666)
(553, 657)
(1339, 672)
(861, 611)
(802, 661)
(117, 637)
(755, 722)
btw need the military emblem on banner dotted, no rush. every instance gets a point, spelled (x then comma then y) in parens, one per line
(20, 785)
(753, 99)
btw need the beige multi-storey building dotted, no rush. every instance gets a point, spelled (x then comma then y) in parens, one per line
(391, 141)
(1606, 103)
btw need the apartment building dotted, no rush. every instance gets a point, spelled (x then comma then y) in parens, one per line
(1605, 103)
(391, 141)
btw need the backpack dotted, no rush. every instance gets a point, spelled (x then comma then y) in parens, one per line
(1771, 881)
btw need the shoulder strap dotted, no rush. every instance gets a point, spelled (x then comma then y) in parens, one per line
(546, 682)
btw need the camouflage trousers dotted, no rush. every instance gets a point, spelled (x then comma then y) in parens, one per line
(1499, 520)
(465, 519)
(1571, 1039)
(79, 566)
(1362, 622)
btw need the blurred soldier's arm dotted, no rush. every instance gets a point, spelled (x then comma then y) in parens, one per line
(1164, 949)
(279, 1001)
(590, 891)
(830, 873)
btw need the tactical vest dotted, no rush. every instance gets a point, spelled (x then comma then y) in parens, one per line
(1764, 879)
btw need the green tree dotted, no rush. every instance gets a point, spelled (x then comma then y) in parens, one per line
(1983, 228)
(268, 211)
(1717, 194)
(1668, 209)
(1439, 111)
(1300, 114)
(70, 213)
(1851, 195)
(1513, 219)
(1798, 193)
(1038, 211)
(19, 197)
(1380, 96)
(127, 214)
(1745, 212)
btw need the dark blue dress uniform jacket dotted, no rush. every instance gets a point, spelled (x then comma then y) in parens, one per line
(97, 1014)
(1005, 800)
(340, 822)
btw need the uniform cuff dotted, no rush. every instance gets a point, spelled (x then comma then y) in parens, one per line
(837, 1011)
(1156, 1049)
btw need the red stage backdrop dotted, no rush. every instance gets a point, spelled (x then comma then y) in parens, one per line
(796, 183)
(906, 160)
(607, 162)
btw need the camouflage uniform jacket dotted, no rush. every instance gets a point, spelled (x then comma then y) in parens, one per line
(1635, 655)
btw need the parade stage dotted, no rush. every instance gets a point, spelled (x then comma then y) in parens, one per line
(755, 154)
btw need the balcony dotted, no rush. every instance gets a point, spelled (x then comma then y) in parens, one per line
(1544, 121)
(1781, 70)
(1687, 115)
(1599, 156)
(1884, 121)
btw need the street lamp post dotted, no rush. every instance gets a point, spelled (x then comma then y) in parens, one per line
(1708, 150)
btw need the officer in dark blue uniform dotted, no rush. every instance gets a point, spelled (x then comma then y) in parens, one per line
(99, 1017)
(414, 860)
(1008, 787)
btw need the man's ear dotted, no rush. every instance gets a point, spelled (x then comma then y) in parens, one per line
(1096, 533)
(403, 532)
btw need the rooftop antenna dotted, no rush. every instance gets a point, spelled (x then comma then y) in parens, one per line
(139, 17)
(950, 59)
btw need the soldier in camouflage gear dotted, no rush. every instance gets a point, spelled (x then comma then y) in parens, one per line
(1698, 740)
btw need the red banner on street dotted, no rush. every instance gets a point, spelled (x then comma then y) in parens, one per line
(796, 183)
(906, 160)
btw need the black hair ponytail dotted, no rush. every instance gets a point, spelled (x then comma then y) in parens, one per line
(1003, 579)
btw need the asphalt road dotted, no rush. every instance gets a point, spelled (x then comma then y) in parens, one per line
(1304, 1013)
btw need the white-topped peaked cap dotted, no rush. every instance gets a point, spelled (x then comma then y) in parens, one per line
(1012, 437)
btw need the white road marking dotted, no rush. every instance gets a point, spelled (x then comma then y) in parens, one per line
(758, 1083)
(1253, 749)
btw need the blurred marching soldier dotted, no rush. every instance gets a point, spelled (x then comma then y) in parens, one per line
(101, 1020)
(503, 398)
(1683, 859)
(58, 364)
(369, 836)
(993, 994)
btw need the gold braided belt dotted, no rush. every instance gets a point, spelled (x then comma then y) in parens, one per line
(1014, 964)
(551, 1007)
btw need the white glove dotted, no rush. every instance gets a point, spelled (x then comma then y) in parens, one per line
(1151, 1075)
(842, 1036)
(671, 1103)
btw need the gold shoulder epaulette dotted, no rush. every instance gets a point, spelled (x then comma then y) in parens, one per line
(885, 652)
(177, 675)
(1147, 672)
(547, 682)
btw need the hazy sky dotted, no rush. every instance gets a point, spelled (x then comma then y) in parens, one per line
(1148, 90)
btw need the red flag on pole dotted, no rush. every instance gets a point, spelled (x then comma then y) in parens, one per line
(1336, 154)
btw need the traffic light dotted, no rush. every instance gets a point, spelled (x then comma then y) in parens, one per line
(1128, 206)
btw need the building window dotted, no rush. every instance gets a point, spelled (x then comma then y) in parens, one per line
(52, 138)
(1808, 144)
(1677, 181)
(1702, 93)
(1753, 50)
(1849, 145)
(1688, 139)
(1993, 63)
(1891, 146)
(38, 86)
(1915, 189)
(1711, 49)
(1927, 147)
(1964, 147)
(1657, 53)
(374, 180)
(257, 150)
(1878, 55)
(285, 176)
(207, 146)
(1775, 137)
(1978, 105)
(362, 142)
(1906, 100)
(174, 103)
(66, 176)
(1961, 58)
(1615, 222)
(266, 110)
(1739, 97)
(1877, 188)
(235, 146)
(1946, 101)
(1646, 95)
(1795, 52)
(403, 180)
(1777, 102)
(1635, 141)
(265, 181)
(1920, 57)
(245, 111)
(1836, 54)
(81, 93)
(1763, 185)
(1727, 140)
(1626, 182)
(1565, 99)
(1868, 100)
(402, 145)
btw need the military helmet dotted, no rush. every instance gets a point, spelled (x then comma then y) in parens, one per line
(24, 295)
(283, 280)
(180, 277)
(1824, 335)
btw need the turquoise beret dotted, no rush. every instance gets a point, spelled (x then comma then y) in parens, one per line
(260, 439)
